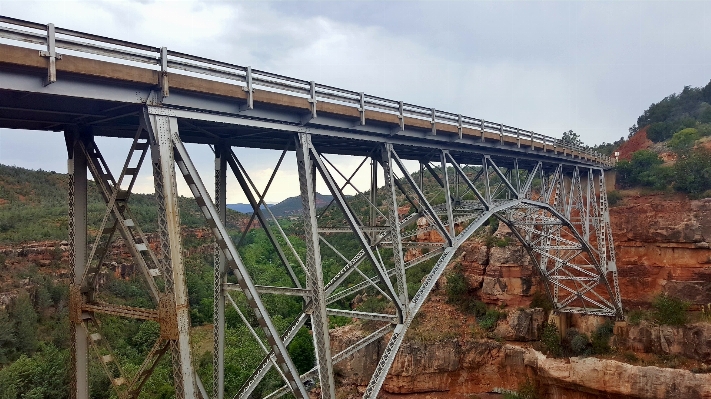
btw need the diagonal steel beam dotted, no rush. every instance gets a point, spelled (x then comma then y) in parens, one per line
(423, 201)
(234, 261)
(265, 365)
(468, 182)
(355, 226)
(503, 177)
(261, 196)
(260, 216)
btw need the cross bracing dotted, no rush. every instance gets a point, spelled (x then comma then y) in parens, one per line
(469, 172)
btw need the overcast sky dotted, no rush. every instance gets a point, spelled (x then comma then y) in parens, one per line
(590, 66)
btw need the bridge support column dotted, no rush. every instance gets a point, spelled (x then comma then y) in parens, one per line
(79, 344)
(394, 226)
(218, 371)
(314, 279)
(176, 326)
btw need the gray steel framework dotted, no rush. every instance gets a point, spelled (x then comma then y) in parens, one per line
(551, 195)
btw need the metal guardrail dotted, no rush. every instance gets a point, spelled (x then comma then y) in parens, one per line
(51, 37)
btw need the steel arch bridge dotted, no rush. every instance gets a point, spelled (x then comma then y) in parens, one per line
(551, 195)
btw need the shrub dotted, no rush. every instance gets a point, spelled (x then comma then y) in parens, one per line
(579, 342)
(635, 317)
(669, 310)
(644, 169)
(630, 357)
(457, 286)
(704, 129)
(706, 312)
(601, 338)
(490, 318)
(527, 390)
(373, 304)
(493, 241)
(541, 300)
(684, 139)
(614, 197)
(693, 172)
(550, 338)
(476, 307)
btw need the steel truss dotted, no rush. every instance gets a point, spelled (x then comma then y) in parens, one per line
(557, 211)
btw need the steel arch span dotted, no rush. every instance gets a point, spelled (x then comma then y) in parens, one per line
(558, 214)
(464, 173)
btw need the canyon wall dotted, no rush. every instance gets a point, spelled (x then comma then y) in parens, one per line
(460, 368)
(662, 244)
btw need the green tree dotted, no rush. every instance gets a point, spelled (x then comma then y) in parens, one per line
(659, 131)
(43, 376)
(550, 338)
(601, 338)
(302, 351)
(25, 319)
(670, 310)
(7, 338)
(644, 169)
(571, 138)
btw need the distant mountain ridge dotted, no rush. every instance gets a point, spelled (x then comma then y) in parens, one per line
(289, 207)
(241, 208)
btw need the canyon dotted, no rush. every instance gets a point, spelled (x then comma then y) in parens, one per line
(445, 356)
(662, 246)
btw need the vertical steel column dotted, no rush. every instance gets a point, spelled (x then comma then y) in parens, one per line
(447, 194)
(218, 317)
(314, 280)
(610, 260)
(176, 306)
(487, 184)
(79, 344)
(373, 196)
(394, 226)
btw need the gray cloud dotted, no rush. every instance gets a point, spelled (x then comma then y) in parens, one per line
(590, 66)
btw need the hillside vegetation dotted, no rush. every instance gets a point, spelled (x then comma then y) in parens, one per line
(34, 327)
(33, 206)
(679, 126)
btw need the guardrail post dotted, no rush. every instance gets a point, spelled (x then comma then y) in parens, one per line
(51, 55)
(165, 90)
(532, 141)
(459, 125)
(433, 122)
(249, 88)
(361, 109)
(401, 116)
(518, 138)
(312, 99)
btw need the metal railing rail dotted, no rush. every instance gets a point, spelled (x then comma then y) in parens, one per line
(51, 37)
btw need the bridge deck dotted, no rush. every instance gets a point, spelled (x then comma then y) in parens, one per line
(109, 95)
